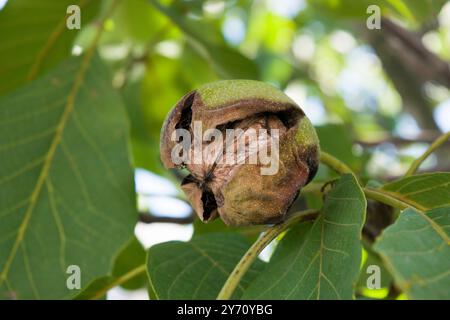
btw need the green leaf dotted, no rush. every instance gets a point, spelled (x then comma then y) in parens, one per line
(227, 62)
(373, 259)
(319, 260)
(96, 289)
(344, 8)
(418, 11)
(424, 191)
(137, 20)
(144, 143)
(416, 251)
(329, 134)
(197, 269)
(401, 7)
(35, 37)
(132, 257)
(128, 272)
(67, 192)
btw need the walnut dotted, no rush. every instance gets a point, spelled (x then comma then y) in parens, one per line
(244, 129)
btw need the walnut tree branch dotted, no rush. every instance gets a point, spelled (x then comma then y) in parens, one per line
(147, 217)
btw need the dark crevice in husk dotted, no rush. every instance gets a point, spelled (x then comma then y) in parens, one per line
(312, 160)
(186, 113)
(209, 203)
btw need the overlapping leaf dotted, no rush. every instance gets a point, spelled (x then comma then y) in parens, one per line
(319, 260)
(128, 272)
(197, 269)
(416, 249)
(66, 184)
(373, 260)
(423, 191)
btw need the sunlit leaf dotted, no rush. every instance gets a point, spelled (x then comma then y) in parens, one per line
(138, 20)
(373, 260)
(345, 8)
(411, 11)
(227, 62)
(417, 11)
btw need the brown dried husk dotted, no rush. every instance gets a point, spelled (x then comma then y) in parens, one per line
(239, 193)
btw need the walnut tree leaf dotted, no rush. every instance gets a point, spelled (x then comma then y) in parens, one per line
(319, 260)
(416, 250)
(197, 269)
(66, 183)
(35, 37)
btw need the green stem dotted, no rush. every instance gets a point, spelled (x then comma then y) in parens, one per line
(436, 144)
(382, 197)
(120, 280)
(376, 194)
(253, 252)
(391, 200)
(334, 163)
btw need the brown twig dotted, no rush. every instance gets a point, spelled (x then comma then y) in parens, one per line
(426, 136)
(147, 217)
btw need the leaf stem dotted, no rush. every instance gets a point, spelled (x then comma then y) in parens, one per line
(392, 200)
(382, 197)
(436, 144)
(253, 252)
(120, 280)
(376, 194)
(334, 163)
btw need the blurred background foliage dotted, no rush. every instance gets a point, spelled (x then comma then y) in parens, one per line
(377, 97)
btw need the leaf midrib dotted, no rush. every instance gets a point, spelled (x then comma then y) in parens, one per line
(403, 283)
(70, 102)
(420, 210)
(51, 40)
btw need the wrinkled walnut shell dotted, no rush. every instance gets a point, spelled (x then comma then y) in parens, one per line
(239, 193)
